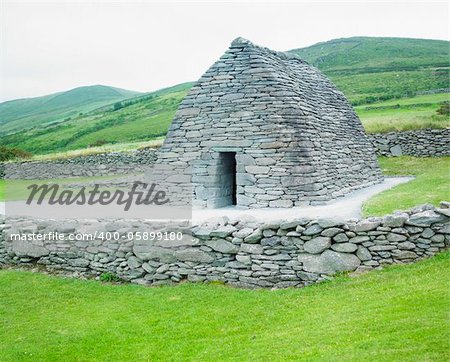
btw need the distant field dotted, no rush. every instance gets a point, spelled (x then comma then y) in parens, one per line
(368, 88)
(404, 114)
(426, 99)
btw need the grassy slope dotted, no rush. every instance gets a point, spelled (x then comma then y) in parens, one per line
(431, 184)
(147, 117)
(375, 53)
(399, 313)
(31, 112)
(367, 70)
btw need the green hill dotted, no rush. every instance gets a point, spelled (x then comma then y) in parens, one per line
(140, 118)
(32, 112)
(351, 55)
(370, 71)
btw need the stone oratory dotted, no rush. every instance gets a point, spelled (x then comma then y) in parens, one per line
(266, 129)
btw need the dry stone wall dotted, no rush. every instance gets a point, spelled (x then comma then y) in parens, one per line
(244, 253)
(112, 163)
(421, 143)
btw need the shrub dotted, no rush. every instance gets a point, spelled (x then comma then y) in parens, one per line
(117, 106)
(98, 143)
(444, 109)
(7, 154)
(109, 277)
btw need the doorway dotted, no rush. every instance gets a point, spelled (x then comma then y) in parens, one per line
(227, 167)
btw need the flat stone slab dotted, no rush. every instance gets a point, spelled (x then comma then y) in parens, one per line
(346, 207)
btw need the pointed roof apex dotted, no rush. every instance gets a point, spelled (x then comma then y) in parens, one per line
(241, 41)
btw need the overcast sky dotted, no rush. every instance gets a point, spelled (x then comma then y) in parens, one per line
(144, 46)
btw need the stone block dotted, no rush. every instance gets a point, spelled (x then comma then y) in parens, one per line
(149, 252)
(363, 253)
(367, 224)
(27, 248)
(194, 255)
(317, 245)
(329, 262)
(396, 150)
(245, 179)
(257, 170)
(280, 203)
(251, 248)
(254, 237)
(425, 218)
(223, 246)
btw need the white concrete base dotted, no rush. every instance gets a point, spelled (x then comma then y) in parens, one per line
(346, 207)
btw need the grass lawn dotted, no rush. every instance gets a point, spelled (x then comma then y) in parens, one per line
(2, 189)
(399, 313)
(431, 185)
(18, 189)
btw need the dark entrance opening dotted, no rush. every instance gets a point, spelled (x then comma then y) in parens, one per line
(228, 176)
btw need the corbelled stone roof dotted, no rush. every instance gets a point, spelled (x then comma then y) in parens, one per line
(296, 137)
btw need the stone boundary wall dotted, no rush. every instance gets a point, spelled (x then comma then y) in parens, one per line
(102, 164)
(433, 91)
(422, 143)
(243, 253)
